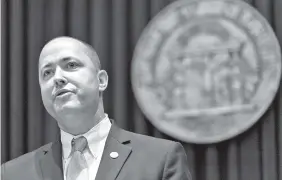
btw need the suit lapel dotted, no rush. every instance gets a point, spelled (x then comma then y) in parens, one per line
(110, 167)
(51, 163)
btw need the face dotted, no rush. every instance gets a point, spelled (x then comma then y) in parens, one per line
(68, 79)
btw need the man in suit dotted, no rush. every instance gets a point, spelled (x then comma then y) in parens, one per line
(90, 145)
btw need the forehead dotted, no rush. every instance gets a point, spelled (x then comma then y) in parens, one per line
(55, 50)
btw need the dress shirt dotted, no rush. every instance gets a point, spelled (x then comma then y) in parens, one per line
(96, 138)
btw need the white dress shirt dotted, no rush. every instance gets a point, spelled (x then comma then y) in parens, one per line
(96, 138)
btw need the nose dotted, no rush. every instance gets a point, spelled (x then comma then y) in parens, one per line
(59, 79)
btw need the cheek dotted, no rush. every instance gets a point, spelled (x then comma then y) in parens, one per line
(88, 88)
(46, 92)
(47, 101)
(88, 81)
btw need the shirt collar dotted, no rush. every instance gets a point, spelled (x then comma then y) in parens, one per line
(93, 136)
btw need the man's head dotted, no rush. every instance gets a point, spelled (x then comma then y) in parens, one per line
(71, 82)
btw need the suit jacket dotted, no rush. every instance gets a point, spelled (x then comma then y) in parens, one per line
(140, 158)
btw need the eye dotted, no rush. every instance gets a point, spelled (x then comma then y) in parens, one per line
(72, 65)
(47, 73)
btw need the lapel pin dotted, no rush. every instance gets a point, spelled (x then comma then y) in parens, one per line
(114, 155)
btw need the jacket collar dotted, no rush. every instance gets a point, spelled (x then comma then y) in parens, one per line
(109, 168)
(117, 141)
(51, 162)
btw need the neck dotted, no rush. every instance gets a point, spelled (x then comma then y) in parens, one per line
(80, 123)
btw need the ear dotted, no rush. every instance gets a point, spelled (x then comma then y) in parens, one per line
(103, 80)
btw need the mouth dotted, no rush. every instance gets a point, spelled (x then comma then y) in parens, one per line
(61, 93)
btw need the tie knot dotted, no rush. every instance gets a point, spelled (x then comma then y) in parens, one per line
(79, 144)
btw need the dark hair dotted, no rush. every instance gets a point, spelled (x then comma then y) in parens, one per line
(93, 56)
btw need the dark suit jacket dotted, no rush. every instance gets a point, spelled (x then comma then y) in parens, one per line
(140, 158)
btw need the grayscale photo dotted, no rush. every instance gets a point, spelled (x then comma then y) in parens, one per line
(141, 89)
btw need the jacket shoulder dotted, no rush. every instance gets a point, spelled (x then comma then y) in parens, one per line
(26, 158)
(23, 165)
(150, 142)
(165, 159)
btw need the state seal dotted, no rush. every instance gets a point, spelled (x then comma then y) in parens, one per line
(204, 71)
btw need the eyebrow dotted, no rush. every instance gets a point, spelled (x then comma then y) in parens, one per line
(67, 58)
(46, 65)
(64, 59)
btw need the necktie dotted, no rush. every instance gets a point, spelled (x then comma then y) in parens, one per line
(78, 161)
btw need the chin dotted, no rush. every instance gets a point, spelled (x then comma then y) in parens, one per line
(67, 107)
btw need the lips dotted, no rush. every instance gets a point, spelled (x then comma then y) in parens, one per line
(61, 92)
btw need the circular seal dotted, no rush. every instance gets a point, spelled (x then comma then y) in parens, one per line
(204, 71)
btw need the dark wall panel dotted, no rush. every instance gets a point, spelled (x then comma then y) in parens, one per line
(113, 27)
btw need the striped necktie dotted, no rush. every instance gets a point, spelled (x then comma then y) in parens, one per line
(78, 161)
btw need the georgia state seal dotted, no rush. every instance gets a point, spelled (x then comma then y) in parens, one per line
(204, 71)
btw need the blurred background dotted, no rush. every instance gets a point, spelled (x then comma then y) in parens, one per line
(113, 28)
